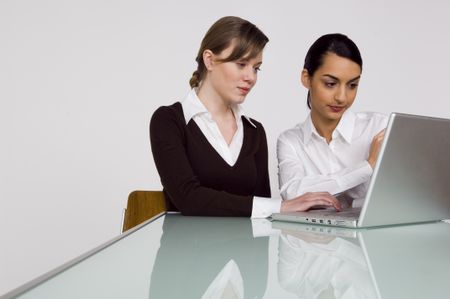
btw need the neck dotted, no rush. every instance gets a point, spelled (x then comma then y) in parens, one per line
(324, 127)
(213, 101)
(220, 110)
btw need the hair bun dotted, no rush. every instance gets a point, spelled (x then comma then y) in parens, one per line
(195, 79)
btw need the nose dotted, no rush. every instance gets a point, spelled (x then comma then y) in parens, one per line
(250, 75)
(341, 94)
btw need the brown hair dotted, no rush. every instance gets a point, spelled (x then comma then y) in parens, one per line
(250, 41)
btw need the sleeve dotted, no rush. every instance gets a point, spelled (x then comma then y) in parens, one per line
(264, 207)
(294, 181)
(262, 165)
(263, 228)
(177, 177)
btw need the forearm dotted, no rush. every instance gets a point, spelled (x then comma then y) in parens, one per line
(196, 200)
(293, 183)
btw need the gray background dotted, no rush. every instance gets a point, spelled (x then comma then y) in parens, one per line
(79, 81)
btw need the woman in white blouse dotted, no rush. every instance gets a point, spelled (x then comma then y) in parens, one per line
(334, 150)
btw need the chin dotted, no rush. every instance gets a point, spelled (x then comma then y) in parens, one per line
(238, 100)
(334, 116)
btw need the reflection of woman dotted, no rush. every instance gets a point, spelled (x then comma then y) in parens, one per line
(311, 266)
(211, 157)
(333, 150)
(195, 250)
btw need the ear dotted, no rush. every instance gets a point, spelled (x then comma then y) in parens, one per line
(305, 78)
(208, 59)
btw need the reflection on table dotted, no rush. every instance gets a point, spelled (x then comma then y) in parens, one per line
(202, 257)
(315, 265)
(211, 257)
(410, 261)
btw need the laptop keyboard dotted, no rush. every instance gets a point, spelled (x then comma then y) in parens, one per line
(348, 212)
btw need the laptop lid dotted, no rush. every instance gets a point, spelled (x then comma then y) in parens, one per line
(411, 180)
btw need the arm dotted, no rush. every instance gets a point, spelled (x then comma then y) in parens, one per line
(295, 181)
(263, 205)
(375, 148)
(261, 161)
(167, 140)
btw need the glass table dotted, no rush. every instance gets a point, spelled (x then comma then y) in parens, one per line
(174, 256)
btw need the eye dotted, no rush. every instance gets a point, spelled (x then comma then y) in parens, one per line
(330, 84)
(354, 85)
(241, 64)
(257, 69)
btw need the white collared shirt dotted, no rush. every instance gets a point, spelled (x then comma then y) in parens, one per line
(307, 163)
(194, 109)
(307, 267)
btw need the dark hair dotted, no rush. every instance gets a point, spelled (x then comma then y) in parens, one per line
(250, 41)
(336, 43)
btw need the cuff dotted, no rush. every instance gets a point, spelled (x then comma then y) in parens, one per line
(264, 207)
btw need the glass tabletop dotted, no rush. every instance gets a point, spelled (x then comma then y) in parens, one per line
(175, 256)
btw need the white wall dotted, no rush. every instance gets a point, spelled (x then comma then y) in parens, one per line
(79, 81)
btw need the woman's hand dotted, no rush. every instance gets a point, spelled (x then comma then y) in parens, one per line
(375, 148)
(309, 200)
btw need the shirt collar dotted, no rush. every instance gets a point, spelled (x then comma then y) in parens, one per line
(192, 106)
(307, 129)
(345, 127)
(239, 112)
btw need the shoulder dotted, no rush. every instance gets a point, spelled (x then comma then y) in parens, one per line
(253, 123)
(376, 118)
(166, 111)
(370, 115)
(255, 126)
(294, 133)
(254, 132)
(370, 122)
(168, 119)
(169, 113)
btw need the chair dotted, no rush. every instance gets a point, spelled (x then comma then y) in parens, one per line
(141, 206)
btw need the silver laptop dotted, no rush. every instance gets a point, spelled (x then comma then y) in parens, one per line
(410, 182)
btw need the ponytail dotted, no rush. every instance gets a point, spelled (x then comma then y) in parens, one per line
(195, 79)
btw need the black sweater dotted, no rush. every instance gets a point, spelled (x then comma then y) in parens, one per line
(196, 179)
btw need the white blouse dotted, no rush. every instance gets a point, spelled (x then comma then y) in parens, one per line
(312, 267)
(307, 163)
(194, 109)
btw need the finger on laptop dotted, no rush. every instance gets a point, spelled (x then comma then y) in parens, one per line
(308, 200)
(375, 147)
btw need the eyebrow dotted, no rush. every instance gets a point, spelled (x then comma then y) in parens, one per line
(248, 60)
(337, 79)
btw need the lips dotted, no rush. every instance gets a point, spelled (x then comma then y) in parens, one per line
(244, 90)
(336, 109)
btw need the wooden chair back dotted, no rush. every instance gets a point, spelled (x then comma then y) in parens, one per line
(141, 206)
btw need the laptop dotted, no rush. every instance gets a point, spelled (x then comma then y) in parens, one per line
(410, 182)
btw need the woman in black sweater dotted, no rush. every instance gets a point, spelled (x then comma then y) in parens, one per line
(211, 157)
